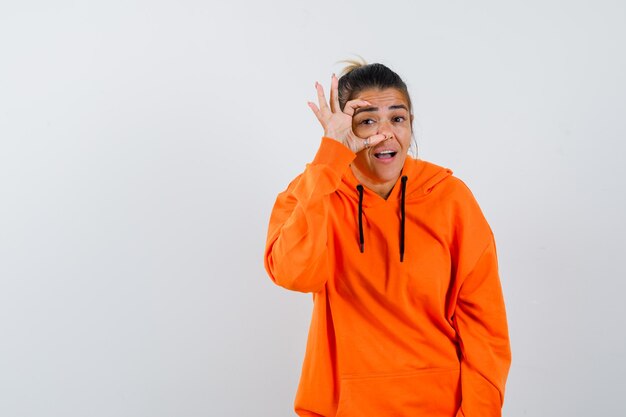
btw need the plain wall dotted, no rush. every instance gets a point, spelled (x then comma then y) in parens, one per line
(142, 145)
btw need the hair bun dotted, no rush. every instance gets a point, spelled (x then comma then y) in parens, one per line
(352, 64)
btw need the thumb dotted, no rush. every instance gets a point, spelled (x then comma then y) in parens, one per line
(375, 140)
(362, 144)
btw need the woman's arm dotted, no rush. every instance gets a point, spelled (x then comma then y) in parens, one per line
(480, 320)
(478, 312)
(296, 254)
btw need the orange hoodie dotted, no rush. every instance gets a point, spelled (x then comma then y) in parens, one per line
(422, 336)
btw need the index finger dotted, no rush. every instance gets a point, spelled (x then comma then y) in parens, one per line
(352, 105)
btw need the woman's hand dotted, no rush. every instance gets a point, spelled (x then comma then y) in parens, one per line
(337, 124)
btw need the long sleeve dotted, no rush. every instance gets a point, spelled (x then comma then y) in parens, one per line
(296, 254)
(480, 320)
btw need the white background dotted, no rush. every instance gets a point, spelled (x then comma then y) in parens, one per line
(142, 145)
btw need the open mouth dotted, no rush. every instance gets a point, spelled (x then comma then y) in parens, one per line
(385, 154)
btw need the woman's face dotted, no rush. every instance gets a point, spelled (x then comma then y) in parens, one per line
(388, 114)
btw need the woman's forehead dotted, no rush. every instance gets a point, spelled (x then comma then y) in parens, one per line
(388, 97)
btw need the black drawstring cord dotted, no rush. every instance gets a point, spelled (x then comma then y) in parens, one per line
(361, 238)
(404, 179)
(402, 218)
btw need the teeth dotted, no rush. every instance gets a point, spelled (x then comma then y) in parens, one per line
(387, 154)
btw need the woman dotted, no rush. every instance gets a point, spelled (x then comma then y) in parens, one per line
(408, 316)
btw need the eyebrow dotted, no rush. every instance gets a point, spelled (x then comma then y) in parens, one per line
(372, 109)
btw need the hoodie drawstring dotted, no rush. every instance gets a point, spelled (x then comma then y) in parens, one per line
(361, 238)
(402, 216)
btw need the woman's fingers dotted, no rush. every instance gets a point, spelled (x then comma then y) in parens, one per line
(375, 140)
(317, 112)
(321, 98)
(362, 144)
(352, 105)
(334, 94)
(337, 124)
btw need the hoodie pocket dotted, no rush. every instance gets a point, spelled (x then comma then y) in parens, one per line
(432, 393)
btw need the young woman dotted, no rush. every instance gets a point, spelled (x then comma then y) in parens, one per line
(408, 316)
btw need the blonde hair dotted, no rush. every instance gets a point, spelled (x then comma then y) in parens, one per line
(352, 64)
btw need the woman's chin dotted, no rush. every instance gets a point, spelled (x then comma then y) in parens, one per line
(386, 170)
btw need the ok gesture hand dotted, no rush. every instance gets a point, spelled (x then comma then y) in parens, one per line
(337, 124)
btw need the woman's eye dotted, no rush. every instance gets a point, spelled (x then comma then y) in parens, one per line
(367, 122)
(399, 119)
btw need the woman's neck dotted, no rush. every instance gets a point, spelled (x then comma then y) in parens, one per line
(383, 189)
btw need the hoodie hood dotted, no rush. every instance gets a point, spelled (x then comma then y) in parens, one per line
(417, 180)
(422, 178)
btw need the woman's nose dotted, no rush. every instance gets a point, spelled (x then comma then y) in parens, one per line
(384, 127)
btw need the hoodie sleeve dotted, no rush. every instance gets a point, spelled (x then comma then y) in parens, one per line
(480, 320)
(296, 255)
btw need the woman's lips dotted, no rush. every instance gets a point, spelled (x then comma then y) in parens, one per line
(385, 156)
